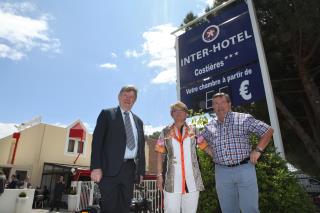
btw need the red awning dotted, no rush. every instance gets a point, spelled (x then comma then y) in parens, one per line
(76, 133)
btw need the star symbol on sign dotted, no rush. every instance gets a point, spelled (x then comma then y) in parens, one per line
(230, 56)
(210, 33)
(226, 57)
(236, 53)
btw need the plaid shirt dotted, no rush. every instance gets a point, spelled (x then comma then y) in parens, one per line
(230, 139)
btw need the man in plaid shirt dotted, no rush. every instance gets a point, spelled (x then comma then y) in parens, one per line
(228, 134)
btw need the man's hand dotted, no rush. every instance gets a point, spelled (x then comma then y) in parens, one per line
(254, 156)
(96, 175)
(141, 179)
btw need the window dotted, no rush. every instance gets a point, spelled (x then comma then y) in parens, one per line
(47, 168)
(71, 145)
(75, 146)
(76, 140)
(80, 147)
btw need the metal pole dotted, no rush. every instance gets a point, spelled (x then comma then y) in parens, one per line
(266, 81)
(177, 66)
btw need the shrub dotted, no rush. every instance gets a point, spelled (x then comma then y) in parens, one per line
(279, 190)
(72, 191)
(208, 200)
(22, 194)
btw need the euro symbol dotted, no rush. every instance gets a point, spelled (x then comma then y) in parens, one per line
(244, 90)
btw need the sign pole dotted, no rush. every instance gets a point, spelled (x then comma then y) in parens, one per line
(266, 81)
(177, 67)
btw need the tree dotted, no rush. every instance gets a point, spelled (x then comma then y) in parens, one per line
(154, 135)
(189, 17)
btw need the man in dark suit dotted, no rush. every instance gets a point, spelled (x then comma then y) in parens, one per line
(117, 156)
(59, 188)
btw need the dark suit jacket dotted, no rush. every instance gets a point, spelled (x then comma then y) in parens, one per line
(109, 143)
(58, 191)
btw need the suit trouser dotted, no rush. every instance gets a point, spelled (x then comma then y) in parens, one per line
(56, 203)
(117, 191)
(237, 188)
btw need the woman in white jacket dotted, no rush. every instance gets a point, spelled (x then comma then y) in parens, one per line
(182, 179)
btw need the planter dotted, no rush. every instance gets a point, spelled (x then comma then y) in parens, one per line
(72, 202)
(22, 204)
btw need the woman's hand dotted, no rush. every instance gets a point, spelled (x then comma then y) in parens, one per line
(160, 182)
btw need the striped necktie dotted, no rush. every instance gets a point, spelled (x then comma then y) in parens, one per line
(129, 132)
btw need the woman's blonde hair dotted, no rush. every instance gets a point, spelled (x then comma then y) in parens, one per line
(179, 105)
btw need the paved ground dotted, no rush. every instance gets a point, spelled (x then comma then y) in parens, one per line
(46, 211)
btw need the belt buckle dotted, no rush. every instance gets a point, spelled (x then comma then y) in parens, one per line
(245, 161)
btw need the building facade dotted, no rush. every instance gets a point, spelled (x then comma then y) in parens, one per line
(45, 151)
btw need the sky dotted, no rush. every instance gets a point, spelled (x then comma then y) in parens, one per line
(67, 60)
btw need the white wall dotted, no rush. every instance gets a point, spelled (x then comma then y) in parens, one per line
(8, 200)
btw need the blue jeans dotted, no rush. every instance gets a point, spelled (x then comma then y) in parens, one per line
(237, 188)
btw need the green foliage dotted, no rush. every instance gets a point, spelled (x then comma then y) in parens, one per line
(198, 119)
(72, 191)
(208, 201)
(189, 17)
(22, 194)
(279, 191)
(154, 136)
(290, 34)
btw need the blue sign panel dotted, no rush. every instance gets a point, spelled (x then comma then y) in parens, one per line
(231, 44)
(244, 85)
(217, 50)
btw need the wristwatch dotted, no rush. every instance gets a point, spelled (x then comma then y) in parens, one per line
(257, 149)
